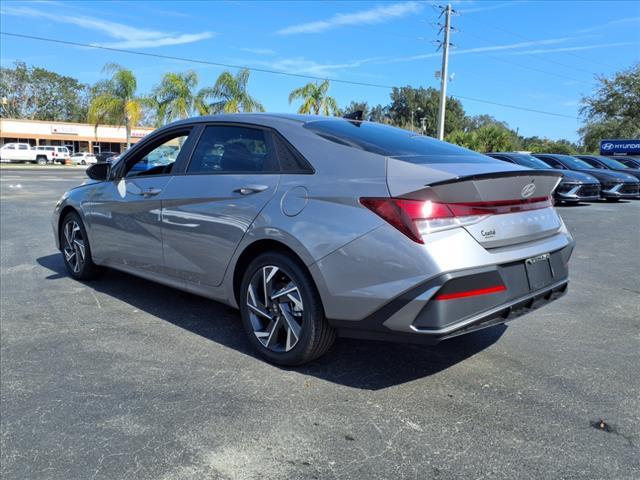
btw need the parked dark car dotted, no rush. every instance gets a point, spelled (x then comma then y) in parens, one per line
(105, 156)
(608, 163)
(614, 185)
(574, 187)
(629, 161)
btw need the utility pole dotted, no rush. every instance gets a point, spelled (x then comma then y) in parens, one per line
(444, 74)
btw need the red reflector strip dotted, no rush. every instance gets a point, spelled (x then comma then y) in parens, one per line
(471, 293)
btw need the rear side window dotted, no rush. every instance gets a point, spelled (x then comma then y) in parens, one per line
(291, 161)
(23, 147)
(233, 149)
(394, 142)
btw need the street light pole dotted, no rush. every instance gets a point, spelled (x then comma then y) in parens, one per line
(444, 73)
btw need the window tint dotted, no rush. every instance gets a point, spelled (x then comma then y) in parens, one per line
(574, 163)
(160, 160)
(289, 159)
(23, 147)
(612, 163)
(503, 158)
(529, 161)
(393, 142)
(230, 149)
(550, 161)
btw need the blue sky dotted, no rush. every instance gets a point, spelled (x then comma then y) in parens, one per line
(540, 55)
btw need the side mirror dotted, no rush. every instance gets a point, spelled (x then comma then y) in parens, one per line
(100, 171)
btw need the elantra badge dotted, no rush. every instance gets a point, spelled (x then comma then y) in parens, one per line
(528, 190)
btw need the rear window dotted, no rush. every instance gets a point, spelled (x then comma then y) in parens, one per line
(394, 142)
(530, 161)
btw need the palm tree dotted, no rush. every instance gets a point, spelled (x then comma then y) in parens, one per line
(174, 98)
(229, 95)
(114, 100)
(315, 99)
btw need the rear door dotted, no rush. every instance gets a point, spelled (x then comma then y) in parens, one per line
(24, 152)
(125, 213)
(207, 209)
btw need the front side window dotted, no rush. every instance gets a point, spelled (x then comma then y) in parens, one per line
(232, 149)
(159, 160)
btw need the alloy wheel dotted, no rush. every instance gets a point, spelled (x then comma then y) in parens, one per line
(275, 309)
(74, 246)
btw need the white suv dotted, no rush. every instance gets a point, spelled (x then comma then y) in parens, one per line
(54, 153)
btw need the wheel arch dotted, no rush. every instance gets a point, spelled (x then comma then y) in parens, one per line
(63, 213)
(256, 248)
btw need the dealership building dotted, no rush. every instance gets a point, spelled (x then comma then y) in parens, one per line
(77, 137)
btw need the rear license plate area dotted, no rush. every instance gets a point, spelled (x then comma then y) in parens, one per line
(539, 271)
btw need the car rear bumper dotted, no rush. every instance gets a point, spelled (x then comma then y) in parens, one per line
(429, 313)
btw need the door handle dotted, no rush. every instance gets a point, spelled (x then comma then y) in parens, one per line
(249, 189)
(150, 192)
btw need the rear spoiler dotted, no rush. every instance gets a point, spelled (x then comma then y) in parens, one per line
(490, 175)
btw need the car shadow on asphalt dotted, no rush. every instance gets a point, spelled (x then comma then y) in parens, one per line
(364, 364)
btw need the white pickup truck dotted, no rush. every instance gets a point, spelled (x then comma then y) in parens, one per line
(23, 152)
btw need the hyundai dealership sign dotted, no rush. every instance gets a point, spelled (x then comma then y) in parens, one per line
(618, 147)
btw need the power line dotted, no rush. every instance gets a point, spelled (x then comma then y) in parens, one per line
(193, 60)
(535, 55)
(501, 29)
(517, 108)
(261, 70)
(533, 69)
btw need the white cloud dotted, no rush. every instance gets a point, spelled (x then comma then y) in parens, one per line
(129, 37)
(489, 7)
(492, 48)
(603, 26)
(364, 17)
(305, 66)
(259, 51)
(571, 49)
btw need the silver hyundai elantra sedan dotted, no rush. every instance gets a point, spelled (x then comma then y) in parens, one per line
(316, 227)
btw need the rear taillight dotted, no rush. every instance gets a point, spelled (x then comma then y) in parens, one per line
(416, 218)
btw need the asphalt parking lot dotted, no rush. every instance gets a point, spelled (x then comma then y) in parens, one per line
(121, 378)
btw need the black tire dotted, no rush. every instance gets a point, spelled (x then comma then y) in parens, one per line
(316, 335)
(41, 160)
(612, 199)
(86, 269)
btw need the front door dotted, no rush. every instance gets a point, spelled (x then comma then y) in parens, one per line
(206, 211)
(125, 213)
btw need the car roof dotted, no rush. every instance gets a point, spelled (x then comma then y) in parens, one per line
(258, 118)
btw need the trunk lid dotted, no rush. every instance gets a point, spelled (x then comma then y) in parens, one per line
(498, 188)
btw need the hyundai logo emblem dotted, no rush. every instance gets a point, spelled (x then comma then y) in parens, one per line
(607, 146)
(528, 190)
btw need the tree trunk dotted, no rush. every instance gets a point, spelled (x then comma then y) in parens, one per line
(127, 127)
